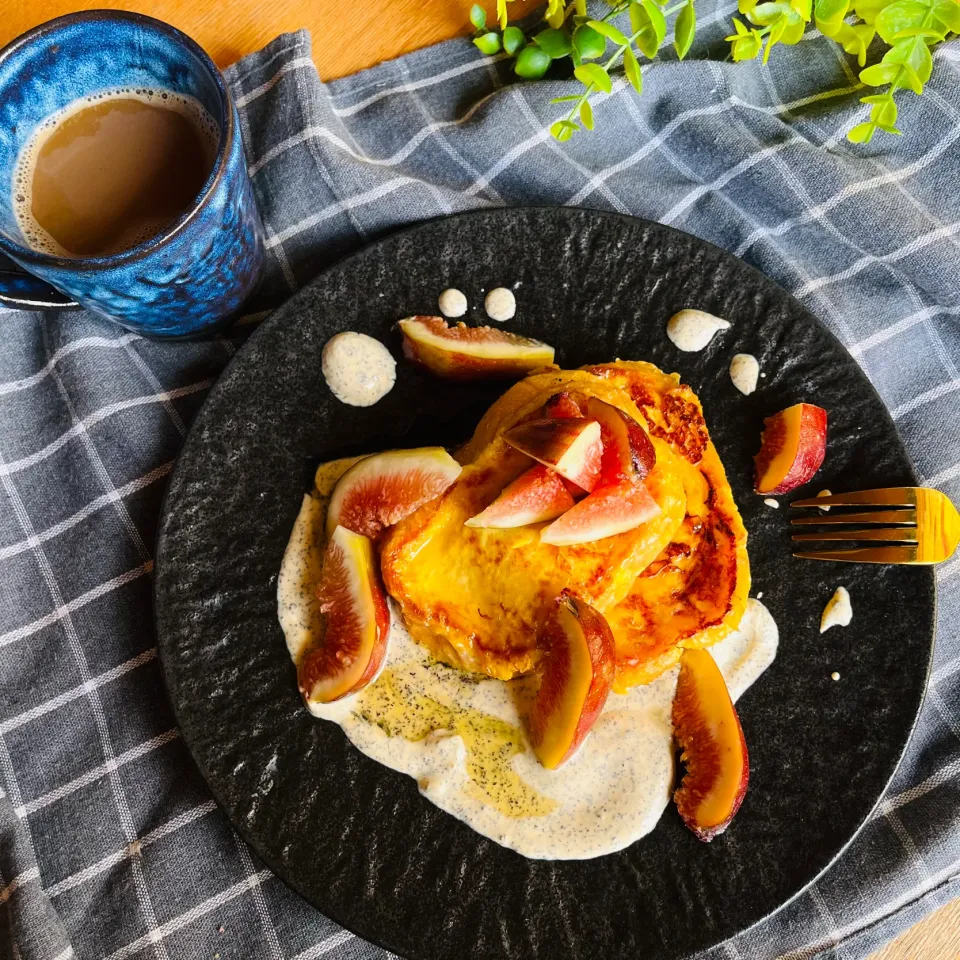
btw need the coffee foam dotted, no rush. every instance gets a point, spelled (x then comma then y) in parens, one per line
(33, 234)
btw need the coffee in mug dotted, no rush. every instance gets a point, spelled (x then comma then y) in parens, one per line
(113, 170)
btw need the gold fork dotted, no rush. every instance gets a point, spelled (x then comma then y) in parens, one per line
(927, 525)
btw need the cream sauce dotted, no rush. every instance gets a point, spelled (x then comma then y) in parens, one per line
(692, 330)
(462, 737)
(771, 503)
(500, 304)
(744, 372)
(452, 303)
(358, 369)
(838, 612)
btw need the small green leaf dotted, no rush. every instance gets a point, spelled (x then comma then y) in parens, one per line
(592, 74)
(900, 16)
(563, 130)
(588, 43)
(555, 14)
(741, 30)
(657, 20)
(746, 6)
(888, 128)
(884, 112)
(502, 13)
(861, 133)
(932, 34)
(609, 31)
(876, 98)
(910, 79)
(513, 40)
(632, 70)
(869, 10)
(879, 75)
(489, 43)
(532, 62)
(478, 17)
(684, 30)
(912, 53)
(830, 12)
(947, 12)
(581, 7)
(554, 43)
(586, 114)
(567, 99)
(746, 47)
(643, 31)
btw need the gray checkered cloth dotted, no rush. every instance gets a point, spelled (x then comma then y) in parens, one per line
(110, 845)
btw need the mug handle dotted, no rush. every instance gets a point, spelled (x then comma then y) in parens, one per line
(20, 290)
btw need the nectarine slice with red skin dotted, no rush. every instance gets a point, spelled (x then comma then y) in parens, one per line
(380, 490)
(627, 450)
(708, 731)
(471, 353)
(569, 445)
(792, 448)
(538, 494)
(603, 513)
(576, 673)
(562, 405)
(357, 621)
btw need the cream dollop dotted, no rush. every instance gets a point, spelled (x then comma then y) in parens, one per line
(358, 369)
(452, 303)
(692, 330)
(500, 304)
(838, 612)
(770, 502)
(744, 371)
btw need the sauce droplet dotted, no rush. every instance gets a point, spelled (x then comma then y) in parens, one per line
(500, 304)
(358, 369)
(452, 303)
(692, 330)
(838, 612)
(744, 371)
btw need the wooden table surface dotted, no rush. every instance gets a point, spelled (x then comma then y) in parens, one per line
(349, 35)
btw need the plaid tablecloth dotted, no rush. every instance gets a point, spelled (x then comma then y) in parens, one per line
(110, 845)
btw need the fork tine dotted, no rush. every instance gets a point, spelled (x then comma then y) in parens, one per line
(873, 516)
(865, 555)
(886, 497)
(908, 534)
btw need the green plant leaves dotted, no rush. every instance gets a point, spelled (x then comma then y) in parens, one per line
(609, 31)
(744, 44)
(879, 75)
(649, 26)
(631, 68)
(869, 10)
(899, 16)
(532, 62)
(513, 40)
(586, 114)
(947, 12)
(829, 15)
(563, 130)
(488, 43)
(588, 43)
(862, 133)
(478, 17)
(685, 29)
(592, 74)
(554, 43)
(502, 13)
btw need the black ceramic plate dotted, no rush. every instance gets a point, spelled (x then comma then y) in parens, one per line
(355, 838)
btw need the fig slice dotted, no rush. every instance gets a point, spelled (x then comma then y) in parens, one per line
(792, 448)
(576, 672)
(569, 445)
(707, 730)
(538, 494)
(605, 512)
(627, 450)
(471, 353)
(380, 490)
(354, 644)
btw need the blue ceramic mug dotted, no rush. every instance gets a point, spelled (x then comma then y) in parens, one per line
(196, 274)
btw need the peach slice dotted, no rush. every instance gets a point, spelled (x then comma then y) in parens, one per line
(627, 450)
(357, 621)
(379, 491)
(603, 513)
(570, 445)
(792, 448)
(471, 353)
(708, 731)
(537, 495)
(562, 405)
(576, 673)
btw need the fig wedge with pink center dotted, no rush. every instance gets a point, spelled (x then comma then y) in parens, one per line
(627, 450)
(379, 491)
(605, 512)
(357, 621)
(707, 730)
(576, 673)
(471, 353)
(569, 445)
(538, 494)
